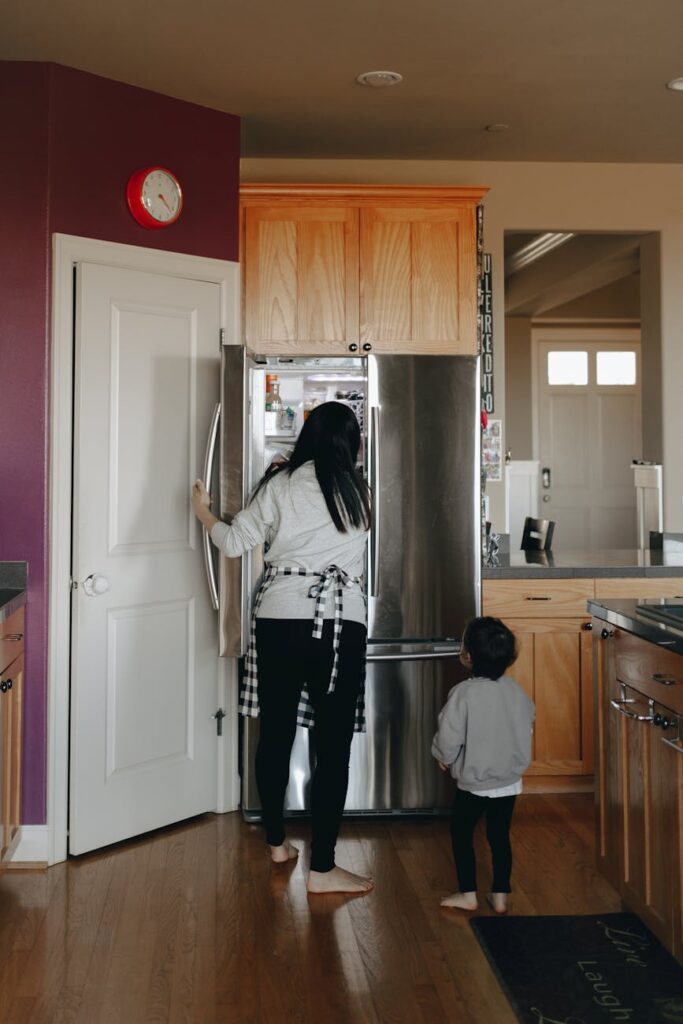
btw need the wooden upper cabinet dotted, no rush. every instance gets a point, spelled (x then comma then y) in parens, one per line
(300, 268)
(419, 279)
(338, 268)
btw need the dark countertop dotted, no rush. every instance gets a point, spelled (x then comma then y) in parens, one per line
(625, 614)
(584, 564)
(10, 600)
(12, 588)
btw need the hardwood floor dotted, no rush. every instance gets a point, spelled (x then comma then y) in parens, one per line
(192, 924)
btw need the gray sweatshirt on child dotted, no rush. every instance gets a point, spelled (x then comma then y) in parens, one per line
(484, 733)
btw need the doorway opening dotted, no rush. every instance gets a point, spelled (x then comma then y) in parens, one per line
(583, 381)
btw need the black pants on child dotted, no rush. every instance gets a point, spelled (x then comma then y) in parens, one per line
(467, 810)
(289, 656)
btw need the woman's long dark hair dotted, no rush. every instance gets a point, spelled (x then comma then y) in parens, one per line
(330, 438)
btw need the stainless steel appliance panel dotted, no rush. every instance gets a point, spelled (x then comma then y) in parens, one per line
(234, 447)
(425, 473)
(392, 769)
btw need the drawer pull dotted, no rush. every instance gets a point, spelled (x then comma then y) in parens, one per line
(659, 677)
(14, 636)
(538, 598)
(617, 705)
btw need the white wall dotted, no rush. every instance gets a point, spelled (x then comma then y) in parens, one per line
(545, 196)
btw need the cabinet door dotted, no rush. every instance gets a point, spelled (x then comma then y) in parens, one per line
(16, 729)
(555, 669)
(300, 266)
(419, 279)
(665, 834)
(5, 720)
(609, 782)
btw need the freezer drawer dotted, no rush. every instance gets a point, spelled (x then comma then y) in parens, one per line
(392, 770)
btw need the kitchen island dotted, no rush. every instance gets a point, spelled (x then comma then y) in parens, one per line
(543, 597)
(638, 670)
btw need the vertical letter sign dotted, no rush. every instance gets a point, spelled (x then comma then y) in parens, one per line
(486, 315)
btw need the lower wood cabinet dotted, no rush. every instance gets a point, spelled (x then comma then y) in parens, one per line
(11, 709)
(639, 791)
(555, 668)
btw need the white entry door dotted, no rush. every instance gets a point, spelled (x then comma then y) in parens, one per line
(144, 648)
(588, 432)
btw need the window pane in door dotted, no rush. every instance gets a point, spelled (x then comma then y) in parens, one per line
(568, 367)
(616, 368)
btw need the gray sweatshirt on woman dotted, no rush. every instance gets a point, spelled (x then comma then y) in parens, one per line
(484, 733)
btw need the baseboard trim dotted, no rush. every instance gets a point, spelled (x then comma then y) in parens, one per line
(32, 848)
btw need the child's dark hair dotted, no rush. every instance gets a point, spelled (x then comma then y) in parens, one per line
(491, 646)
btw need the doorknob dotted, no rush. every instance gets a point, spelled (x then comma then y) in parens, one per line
(546, 497)
(95, 584)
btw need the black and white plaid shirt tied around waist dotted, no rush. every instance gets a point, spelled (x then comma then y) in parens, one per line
(320, 590)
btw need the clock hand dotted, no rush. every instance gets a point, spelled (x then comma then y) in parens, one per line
(163, 199)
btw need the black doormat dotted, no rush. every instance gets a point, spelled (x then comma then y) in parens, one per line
(583, 970)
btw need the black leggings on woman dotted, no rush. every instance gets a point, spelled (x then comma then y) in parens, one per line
(467, 810)
(289, 656)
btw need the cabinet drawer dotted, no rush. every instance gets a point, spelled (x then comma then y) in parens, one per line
(652, 671)
(11, 648)
(536, 598)
(639, 586)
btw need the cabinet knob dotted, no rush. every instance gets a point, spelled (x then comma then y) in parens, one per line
(367, 347)
(353, 347)
(9, 684)
(607, 633)
(3, 686)
(587, 626)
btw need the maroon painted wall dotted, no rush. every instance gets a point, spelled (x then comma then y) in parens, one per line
(74, 139)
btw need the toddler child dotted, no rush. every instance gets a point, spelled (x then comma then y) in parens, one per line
(484, 738)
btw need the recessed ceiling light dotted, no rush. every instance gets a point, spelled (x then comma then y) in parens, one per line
(379, 79)
(676, 84)
(497, 127)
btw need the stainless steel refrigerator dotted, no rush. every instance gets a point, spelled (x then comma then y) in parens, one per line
(419, 417)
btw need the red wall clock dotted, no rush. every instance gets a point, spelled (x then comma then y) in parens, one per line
(155, 197)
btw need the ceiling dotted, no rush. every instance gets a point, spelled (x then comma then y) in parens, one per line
(582, 265)
(580, 81)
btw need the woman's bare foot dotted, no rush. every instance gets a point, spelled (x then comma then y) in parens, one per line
(281, 854)
(498, 901)
(338, 880)
(461, 901)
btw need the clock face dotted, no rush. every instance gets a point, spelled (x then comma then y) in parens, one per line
(154, 197)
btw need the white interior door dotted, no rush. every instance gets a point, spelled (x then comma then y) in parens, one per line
(588, 432)
(144, 647)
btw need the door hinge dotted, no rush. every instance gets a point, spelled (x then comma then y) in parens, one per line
(219, 716)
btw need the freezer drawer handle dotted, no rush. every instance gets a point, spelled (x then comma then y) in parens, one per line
(421, 656)
(208, 474)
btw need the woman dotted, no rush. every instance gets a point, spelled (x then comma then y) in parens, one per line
(306, 657)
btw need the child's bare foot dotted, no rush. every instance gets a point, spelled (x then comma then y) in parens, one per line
(498, 901)
(338, 880)
(281, 854)
(461, 901)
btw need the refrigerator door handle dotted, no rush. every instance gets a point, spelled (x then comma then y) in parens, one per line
(208, 474)
(374, 484)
